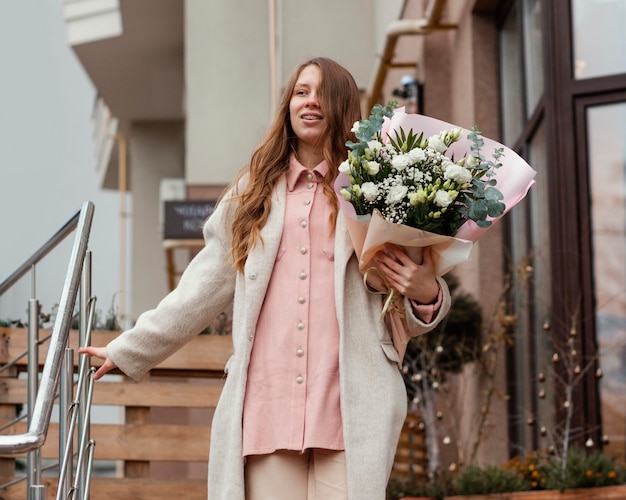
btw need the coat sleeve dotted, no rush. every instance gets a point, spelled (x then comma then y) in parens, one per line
(407, 325)
(415, 325)
(205, 290)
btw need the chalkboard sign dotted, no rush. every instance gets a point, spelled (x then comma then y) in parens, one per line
(184, 219)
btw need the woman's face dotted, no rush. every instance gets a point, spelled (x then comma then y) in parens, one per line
(305, 113)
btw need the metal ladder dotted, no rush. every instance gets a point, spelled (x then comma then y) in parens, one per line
(58, 371)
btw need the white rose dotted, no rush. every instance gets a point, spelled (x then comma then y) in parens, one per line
(416, 155)
(355, 127)
(458, 174)
(436, 143)
(369, 190)
(372, 168)
(400, 162)
(442, 198)
(472, 162)
(344, 167)
(374, 146)
(396, 194)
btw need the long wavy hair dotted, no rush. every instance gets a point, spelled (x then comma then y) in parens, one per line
(340, 104)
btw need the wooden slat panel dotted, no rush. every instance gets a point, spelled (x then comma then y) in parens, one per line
(204, 352)
(199, 393)
(124, 489)
(174, 443)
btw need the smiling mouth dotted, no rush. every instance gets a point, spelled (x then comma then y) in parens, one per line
(311, 117)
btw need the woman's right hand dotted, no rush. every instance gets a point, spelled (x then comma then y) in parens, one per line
(100, 353)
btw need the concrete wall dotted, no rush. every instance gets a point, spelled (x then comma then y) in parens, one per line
(156, 151)
(227, 86)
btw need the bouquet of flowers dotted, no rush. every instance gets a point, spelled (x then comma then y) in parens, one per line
(425, 185)
(418, 182)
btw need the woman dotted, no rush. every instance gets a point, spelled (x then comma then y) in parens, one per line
(313, 403)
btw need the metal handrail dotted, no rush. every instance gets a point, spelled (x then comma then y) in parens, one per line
(35, 437)
(47, 247)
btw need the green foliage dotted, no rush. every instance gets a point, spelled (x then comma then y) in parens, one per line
(584, 469)
(533, 471)
(475, 480)
(438, 487)
(370, 129)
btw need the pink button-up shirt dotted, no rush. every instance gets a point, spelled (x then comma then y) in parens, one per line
(292, 393)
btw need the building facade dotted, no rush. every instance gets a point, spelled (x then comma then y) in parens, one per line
(187, 90)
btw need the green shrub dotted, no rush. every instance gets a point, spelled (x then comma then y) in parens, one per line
(475, 480)
(583, 469)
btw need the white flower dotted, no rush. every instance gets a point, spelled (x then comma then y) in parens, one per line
(356, 191)
(355, 127)
(416, 155)
(369, 190)
(344, 167)
(374, 146)
(436, 143)
(371, 167)
(471, 161)
(442, 198)
(417, 197)
(458, 174)
(400, 162)
(396, 194)
(346, 194)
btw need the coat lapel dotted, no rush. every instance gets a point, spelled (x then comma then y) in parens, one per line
(343, 251)
(260, 261)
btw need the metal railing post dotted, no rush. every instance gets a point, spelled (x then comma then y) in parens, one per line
(66, 433)
(86, 318)
(33, 461)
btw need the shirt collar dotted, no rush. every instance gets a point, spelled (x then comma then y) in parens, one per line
(297, 170)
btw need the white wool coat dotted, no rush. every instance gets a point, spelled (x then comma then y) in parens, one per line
(373, 396)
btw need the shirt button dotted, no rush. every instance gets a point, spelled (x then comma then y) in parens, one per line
(303, 250)
(299, 353)
(306, 202)
(303, 275)
(301, 299)
(299, 379)
(300, 325)
(303, 223)
(252, 276)
(309, 176)
(310, 185)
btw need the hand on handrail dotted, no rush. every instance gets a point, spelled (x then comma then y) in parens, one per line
(100, 353)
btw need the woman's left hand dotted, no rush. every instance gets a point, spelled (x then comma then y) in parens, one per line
(415, 281)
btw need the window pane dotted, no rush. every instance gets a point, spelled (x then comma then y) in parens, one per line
(541, 280)
(599, 37)
(606, 127)
(511, 78)
(533, 54)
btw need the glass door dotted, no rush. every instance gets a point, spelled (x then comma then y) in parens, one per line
(605, 137)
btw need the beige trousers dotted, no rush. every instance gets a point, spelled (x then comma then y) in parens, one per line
(290, 475)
